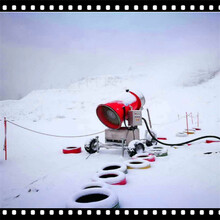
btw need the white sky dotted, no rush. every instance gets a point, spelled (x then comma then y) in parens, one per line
(51, 50)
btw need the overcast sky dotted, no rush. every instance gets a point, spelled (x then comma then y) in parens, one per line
(51, 50)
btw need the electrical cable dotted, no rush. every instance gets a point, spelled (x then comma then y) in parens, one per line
(178, 144)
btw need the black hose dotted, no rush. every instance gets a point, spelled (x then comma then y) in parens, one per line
(178, 144)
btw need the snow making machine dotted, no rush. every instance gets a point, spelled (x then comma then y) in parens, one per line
(113, 114)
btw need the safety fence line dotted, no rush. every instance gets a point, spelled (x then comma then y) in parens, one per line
(171, 122)
(53, 135)
(164, 123)
(187, 115)
(181, 117)
(79, 136)
(38, 132)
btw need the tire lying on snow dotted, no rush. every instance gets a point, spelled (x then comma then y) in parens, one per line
(72, 150)
(181, 134)
(94, 198)
(137, 164)
(134, 147)
(95, 184)
(158, 151)
(111, 177)
(92, 145)
(145, 156)
(114, 167)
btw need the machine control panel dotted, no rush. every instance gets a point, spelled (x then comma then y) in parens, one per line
(134, 118)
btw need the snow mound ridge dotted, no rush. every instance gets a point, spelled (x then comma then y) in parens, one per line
(201, 77)
(82, 96)
(103, 81)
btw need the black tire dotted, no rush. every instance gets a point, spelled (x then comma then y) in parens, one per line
(93, 146)
(136, 148)
(139, 147)
(158, 151)
(94, 198)
(148, 143)
(131, 153)
(150, 140)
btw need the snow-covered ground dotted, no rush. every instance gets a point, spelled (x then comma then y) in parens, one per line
(38, 175)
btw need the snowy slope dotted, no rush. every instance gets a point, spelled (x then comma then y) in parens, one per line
(37, 174)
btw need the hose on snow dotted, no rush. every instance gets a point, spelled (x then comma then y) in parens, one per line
(178, 144)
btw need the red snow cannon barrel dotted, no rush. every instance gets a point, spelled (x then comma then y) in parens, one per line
(111, 114)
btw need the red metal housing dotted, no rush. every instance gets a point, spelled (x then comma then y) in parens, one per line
(111, 114)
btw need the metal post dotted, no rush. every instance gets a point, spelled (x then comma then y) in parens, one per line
(5, 143)
(148, 114)
(123, 147)
(187, 127)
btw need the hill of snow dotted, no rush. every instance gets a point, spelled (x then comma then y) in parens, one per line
(37, 174)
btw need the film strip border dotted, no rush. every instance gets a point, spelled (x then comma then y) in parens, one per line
(108, 212)
(109, 6)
